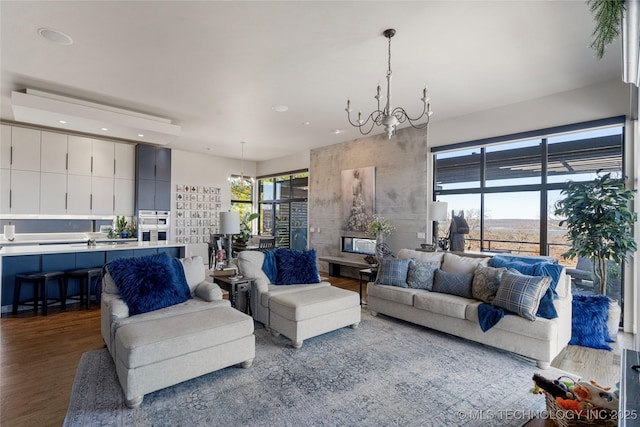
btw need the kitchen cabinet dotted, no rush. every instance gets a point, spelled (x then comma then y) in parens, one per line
(125, 164)
(5, 147)
(53, 153)
(102, 158)
(25, 149)
(53, 193)
(5, 190)
(79, 155)
(124, 200)
(153, 178)
(101, 195)
(24, 197)
(78, 194)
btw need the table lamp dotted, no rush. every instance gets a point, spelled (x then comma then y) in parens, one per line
(229, 225)
(437, 212)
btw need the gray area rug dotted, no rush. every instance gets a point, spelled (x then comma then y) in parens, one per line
(385, 373)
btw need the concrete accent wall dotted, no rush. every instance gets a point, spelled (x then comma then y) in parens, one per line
(400, 189)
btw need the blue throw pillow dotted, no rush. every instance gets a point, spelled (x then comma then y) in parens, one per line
(296, 267)
(393, 272)
(149, 283)
(453, 283)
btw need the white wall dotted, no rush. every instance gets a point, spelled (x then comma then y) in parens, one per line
(201, 169)
(290, 163)
(600, 101)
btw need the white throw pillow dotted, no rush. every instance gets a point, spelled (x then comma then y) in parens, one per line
(462, 264)
(194, 271)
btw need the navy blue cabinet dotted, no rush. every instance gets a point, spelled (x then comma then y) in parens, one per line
(153, 178)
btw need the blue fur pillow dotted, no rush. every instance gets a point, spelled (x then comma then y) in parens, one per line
(149, 283)
(296, 267)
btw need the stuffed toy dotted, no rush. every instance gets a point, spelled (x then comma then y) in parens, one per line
(596, 395)
(548, 386)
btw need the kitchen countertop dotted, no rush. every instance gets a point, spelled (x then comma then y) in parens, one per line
(35, 249)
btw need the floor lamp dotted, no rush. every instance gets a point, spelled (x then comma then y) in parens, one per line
(437, 212)
(229, 225)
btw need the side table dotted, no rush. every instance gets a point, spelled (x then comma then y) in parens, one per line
(233, 285)
(370, 274)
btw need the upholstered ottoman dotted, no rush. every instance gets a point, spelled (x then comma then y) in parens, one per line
(158, 353)
(309, 313)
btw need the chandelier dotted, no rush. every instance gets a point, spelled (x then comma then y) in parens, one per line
(241, 182)
(388, 117)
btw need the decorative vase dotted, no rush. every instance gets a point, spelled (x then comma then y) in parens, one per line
(379, 247)
(124, 234)
(613, 321)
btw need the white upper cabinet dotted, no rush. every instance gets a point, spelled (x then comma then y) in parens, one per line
(124, 199)
(5, 147)
(125, 155)
(79, 194)
(102, 158)
(25, 149)
(53, 193)
(25, 192)
(53, 151)
(79, 155)
(5, 190)
(101, 195)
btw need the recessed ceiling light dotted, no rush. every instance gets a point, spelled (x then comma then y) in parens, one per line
(140, 135)
(280, 108)
(64, 122)
(55, 36)
(306, 123)
(337, 131)
(104, 129)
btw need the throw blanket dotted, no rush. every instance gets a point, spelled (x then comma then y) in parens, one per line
(269, 265)
(489, 315)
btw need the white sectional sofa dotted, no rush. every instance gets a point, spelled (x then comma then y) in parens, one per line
(540, 340)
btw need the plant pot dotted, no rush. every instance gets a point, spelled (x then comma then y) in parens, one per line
(613, 321)
(124, 234)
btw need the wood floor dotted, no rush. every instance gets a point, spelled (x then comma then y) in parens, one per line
(39, 356)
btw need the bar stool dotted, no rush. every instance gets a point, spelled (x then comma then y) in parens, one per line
(39, 280)
(85, 276)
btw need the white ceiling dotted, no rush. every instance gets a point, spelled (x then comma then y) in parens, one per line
(217, 68)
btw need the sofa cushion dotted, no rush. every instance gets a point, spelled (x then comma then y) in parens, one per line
(520, 293)
(445, 304)
(149, 283)
(296, 267)
(420, 274)
(393, 272)
(393, 293)
(541, 329)
(486, 281)
(421, 255)
(299, 306)
(144, 343)
(273, 290)
(194, 271)
(453, 263)
(453, 283)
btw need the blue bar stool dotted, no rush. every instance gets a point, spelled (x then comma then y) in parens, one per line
(86, 277)
(40, 282)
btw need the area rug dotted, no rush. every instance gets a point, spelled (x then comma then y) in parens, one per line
(385, 373)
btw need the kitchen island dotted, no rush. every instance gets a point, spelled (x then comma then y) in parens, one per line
(69, 256)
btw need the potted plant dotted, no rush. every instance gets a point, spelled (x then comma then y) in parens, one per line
(245, 227)
(599, 224)
(381, 228)
(123, 229)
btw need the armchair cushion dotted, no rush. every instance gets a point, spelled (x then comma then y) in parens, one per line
(150, 283)
(208, 291)
(193, 271)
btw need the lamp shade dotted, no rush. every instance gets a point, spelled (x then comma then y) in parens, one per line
(438, 211)
(229, 223)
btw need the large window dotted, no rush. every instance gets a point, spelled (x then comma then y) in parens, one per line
(507, 186)
(282, 203)
(241, 195)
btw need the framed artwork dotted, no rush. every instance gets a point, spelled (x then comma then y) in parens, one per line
(358, 189)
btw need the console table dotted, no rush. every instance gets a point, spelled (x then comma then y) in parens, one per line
(335, 263)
